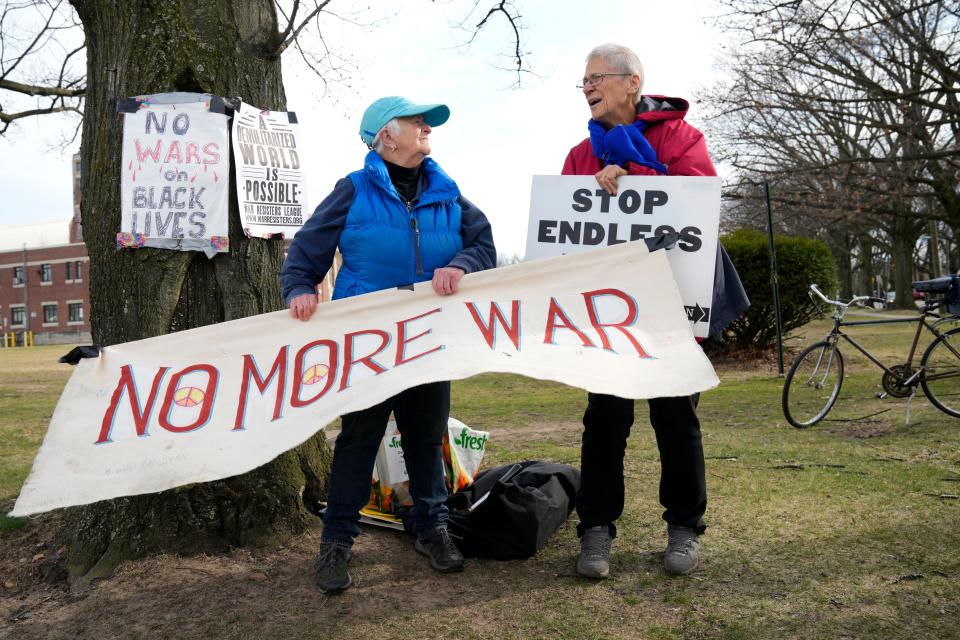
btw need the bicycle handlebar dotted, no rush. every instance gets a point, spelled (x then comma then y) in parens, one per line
(856, 300)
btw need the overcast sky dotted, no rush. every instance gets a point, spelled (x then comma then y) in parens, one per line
(497, 136)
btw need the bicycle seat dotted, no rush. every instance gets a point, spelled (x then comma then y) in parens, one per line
(938, 285)
(948, 287)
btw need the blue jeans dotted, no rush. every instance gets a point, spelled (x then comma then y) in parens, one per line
(421, 414)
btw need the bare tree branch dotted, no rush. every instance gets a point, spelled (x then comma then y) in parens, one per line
(504, 8)
(511, 14)
(7, 118)
(34, 90)
(291, 33)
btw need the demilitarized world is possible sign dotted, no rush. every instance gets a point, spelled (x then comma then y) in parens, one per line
(174, 185)
(217, 401)
(270, 181)
(569, 214)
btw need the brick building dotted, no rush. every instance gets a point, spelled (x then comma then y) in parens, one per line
(44, 290)
(43, 278)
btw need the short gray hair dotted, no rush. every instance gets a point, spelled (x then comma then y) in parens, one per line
(621, 58)
(393, 127)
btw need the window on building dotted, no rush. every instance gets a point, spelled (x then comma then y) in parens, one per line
(46, 273)
(69, 271)
(75, 312)
(18, 316)
(50, 314)
(18, 275)
(78, 274)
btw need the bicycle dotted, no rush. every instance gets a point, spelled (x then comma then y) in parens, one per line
(813, 383)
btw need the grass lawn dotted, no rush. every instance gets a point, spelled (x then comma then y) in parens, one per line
(848, 529)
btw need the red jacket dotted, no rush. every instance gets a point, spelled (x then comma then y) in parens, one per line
(679, 145)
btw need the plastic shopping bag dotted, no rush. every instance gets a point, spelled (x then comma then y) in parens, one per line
(463, 450)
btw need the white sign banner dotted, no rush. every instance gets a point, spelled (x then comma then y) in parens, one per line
(569, 214)
(217, 401)
(174, 179)
(270, 182)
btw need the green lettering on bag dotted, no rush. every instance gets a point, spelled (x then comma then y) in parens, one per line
(476, 443)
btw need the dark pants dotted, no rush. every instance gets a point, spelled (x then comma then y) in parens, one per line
(421, 414)
(683, 487)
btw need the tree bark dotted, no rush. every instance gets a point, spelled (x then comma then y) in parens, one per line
(903, 237)
(227, 48)
(840, 247)
(865, 275)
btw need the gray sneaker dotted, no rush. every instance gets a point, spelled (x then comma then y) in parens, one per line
(594, 560)
(683, 550)
(331, 567)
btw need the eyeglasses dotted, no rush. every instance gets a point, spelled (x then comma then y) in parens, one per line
(596, 79)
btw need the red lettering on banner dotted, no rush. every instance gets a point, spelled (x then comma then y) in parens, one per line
(403, 340)
(174, 153)
(209, 394)
(489, 329)
(333, 360)
(144, 153)
(193, 152)
(250, 370)
(557, 318)
(140, 416)
(367, 360)
(211, 149)
(622, 325)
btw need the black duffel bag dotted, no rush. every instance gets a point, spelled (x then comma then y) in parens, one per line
(510, 511)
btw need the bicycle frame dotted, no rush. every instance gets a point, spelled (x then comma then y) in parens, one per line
(807, 398)
(922, 321)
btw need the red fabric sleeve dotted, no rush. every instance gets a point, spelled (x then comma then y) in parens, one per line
(568, 165)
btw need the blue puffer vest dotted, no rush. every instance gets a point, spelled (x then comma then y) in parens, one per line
(385, 244)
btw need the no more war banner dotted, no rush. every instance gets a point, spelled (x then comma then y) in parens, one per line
(217, 401)
(569, 214)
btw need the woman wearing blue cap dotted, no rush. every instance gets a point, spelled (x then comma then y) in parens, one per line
(397, 221)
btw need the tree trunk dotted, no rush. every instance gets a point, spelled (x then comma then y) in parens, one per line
(936, 266)
(841, 250)
(227, 48)
(865, 277)
(903, 237)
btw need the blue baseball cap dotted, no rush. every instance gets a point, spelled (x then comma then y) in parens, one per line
(386, 109)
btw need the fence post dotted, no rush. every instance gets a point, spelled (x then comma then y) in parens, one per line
(774, 280)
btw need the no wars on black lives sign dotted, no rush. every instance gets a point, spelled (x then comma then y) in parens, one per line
(174, 178)
(270, 185)
(569, 214)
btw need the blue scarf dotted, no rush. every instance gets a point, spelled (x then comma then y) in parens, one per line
(622, 144)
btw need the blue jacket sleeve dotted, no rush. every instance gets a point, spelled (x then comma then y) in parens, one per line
(313, 247)
(478, 251)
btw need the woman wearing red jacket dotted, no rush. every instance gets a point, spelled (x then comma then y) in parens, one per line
(634, 134)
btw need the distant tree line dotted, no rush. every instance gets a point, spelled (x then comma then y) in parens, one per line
(849, 110)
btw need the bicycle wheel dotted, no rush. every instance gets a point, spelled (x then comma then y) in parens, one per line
(812, 384)
(941, 373)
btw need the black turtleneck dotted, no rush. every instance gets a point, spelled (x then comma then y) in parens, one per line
(404, 179)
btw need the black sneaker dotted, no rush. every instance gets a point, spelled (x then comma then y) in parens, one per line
(331, 567)
(443, 553)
